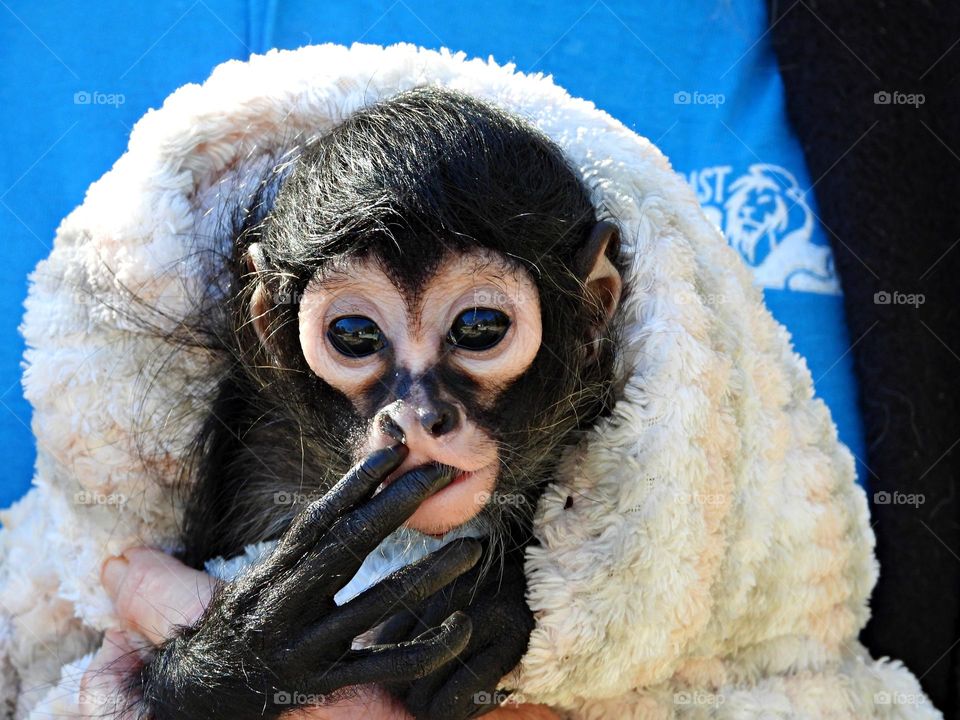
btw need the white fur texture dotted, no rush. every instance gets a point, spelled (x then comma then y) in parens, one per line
(717, 558)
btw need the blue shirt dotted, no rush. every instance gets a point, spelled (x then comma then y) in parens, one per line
(697, 77)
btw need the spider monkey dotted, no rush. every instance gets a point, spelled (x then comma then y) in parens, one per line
(421, 318)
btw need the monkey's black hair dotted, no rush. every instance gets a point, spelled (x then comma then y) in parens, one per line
(428, 170)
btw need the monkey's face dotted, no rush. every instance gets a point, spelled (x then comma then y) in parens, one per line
(426, 367)
(430, 270)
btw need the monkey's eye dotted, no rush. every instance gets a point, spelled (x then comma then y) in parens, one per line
(356, 336)
(478, 329)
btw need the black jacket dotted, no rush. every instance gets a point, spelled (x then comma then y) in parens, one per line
(873, 91)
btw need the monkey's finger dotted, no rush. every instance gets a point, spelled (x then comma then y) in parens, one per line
(357, 485)
(399, 626)
(407, 586)
(456, 595)
(356, 535)
(413, 621)
(405, 662)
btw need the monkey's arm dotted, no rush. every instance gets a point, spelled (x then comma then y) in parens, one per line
(493, 597)
(275, 634)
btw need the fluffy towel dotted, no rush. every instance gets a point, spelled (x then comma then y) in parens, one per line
(717, 557)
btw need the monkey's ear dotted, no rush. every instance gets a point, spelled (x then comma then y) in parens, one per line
(259, 299)
(594, 267)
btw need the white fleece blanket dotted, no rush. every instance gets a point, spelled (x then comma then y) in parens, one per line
(717, 557)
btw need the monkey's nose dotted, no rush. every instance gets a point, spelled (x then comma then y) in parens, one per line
(439, 418)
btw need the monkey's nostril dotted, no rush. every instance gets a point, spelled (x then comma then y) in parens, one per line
(440, 420)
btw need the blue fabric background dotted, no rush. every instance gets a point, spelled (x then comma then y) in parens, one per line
(631, 58)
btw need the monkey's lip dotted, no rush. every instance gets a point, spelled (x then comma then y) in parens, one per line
(459, 474)
(456, 503)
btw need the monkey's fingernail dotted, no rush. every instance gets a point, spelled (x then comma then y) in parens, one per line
(389, 427)
(113, 573)
(398, 450)
(382, 462)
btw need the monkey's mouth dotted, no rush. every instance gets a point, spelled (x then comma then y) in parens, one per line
(455, 474)
(455, 502)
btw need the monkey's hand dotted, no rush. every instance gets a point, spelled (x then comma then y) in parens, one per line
(492, 595)
(274, 639)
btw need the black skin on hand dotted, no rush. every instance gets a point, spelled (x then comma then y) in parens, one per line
(275, 633)
(494, 599)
